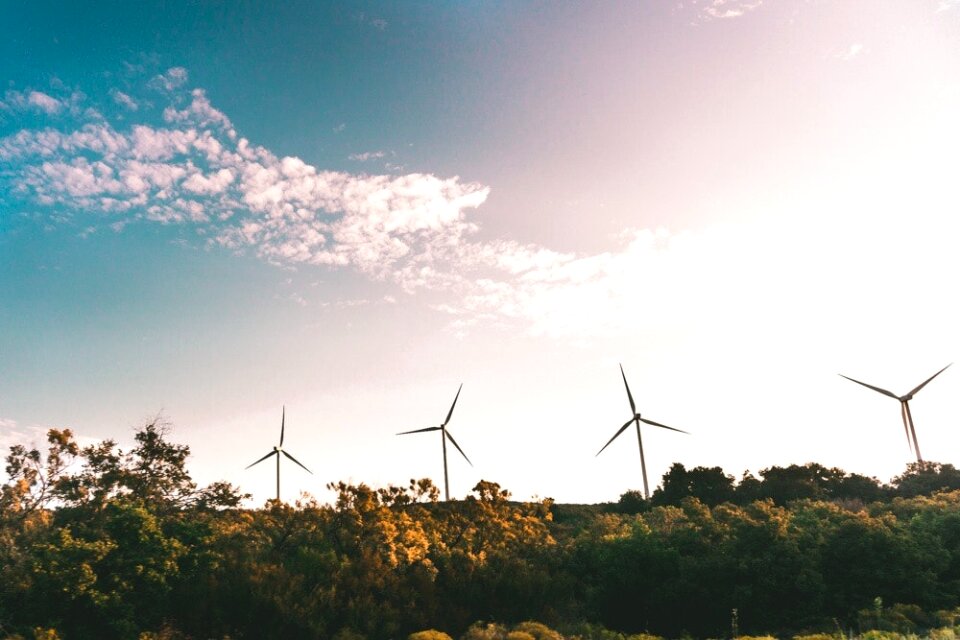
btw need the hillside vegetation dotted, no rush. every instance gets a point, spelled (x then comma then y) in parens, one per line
(102, 543)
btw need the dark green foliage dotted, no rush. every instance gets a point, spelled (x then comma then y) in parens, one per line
(632, 502)
(711, 486)
(125, 545)
(924, 478)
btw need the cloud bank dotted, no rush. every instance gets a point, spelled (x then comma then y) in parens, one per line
(170, 157)
(190, 167)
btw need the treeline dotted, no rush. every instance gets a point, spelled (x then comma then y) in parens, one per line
(103, 543)
(782, 485)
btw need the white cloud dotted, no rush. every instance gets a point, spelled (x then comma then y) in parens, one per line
(161, 144)
(44, 102)
(79, 177)
(200, 113)
(367, 155)
(851, 52)
(13, 434)
(15, 101)
(416, 230)
(209, 184)
(197, 171)
(173, 79)
(124, 100)
(708, 10)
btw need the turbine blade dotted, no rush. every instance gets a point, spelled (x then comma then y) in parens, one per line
(260, 460)
(297, 461)
(403, 433)
(633, 407)
(452, 406)
(663, 426)
(622, 429)
(906, 424)
(283, 422)
(447, 433)
(924, 383)
(870, 386)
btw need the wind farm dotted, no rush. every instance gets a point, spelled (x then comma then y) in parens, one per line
(213, 210)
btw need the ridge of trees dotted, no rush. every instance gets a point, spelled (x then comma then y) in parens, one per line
(96, 542)
(811, 481)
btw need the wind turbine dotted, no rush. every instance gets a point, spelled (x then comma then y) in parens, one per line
(444, 435)
(636, 419)
(905, 399)
(277, 450)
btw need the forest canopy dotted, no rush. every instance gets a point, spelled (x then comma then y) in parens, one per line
(96, 542)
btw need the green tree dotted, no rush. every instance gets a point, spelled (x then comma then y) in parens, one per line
(925, 478)
(709, 485)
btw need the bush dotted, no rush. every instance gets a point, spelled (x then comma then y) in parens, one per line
(943, 633)
(876, 634)
(587, 631)
(429, 634)
(481, 631)
(520, 635)
(537, 631)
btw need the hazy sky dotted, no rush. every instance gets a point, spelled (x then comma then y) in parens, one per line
(214, 210)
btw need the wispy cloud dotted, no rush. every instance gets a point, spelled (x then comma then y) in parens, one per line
(171, 80)
(124, 100)
(375, 22)
(30, 100)
(190, 167)
(367, 155)
(44, 102)
(183, 163)
(850, 52)
(12, 433)
(708, 10)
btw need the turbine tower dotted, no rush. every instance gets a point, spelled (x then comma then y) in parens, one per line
(905, 399)
(637, 419)
(277, 450)
(444, 436)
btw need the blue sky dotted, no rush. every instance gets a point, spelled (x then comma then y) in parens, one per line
(217, 210)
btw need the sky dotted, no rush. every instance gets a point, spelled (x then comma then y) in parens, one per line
(215, 212)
